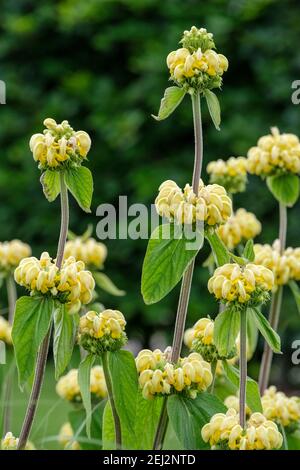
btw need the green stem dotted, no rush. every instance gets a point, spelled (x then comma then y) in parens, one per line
(274, 314)
(285, 445)
(108, 381)
(44, 348)
(188, 275)
(12, 297)
(214, 373)
(243, 368)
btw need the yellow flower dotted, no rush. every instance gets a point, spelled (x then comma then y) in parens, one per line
(91, 252)
(72, 284)
(292, 256)
(224, 431)
(275, 153)
(65, 438)
(212, 205)
(241, 226)
(270, 257)
(11, 253)
(68, 388)
(157, 376)
(234, 283)
(280, 408)
(232, 401)
(249, 225)
(5, 331)
(10, 442)
(232, 173)
(59, 145)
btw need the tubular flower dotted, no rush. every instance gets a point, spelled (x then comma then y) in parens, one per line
(65, 437)
(68, 388)
(158, 376)
(203, 341)
(212, 206)
(249, 225)
(241, 284)
(72, 284)
(224, 432)
(5, 331)
(91, 252)
(293, 260)
(11, 253)
(275, 154)
(232, 173)
(104, 331)
(196, 65)
(232, 401)
(241, 226)
(59, 145)
(280, 408)
(270, 257)
(10, 442)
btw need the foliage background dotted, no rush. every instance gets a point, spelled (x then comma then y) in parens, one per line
(101, 65)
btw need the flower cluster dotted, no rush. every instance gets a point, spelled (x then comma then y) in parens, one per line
(232, 173)
(72, 284)
(270, 257)
(68, 388)
(158, 376)
(10, 442)
(232, 401)
(91, 252)
(293, 260)
(65, 438)
(11, 253)
(275, 154)
(212, 205)
(280, 408)
(5, 331)
(104, 331)
(224, 432)
(241, 284)
(196, 65)
(59, 145)
(240, 227)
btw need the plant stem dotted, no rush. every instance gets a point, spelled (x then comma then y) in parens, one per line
(274, 314)
(12, 297)
(112, 401)
(214, 373)
(243, 368)
(44, 348)
(188, 275)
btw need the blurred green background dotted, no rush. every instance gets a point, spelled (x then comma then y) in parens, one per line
(101, 65)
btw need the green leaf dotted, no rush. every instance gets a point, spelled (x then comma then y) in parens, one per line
(84, 381)
(248, 252)
(271, 337)
(220, 252)
(124, 378)
(65, 328)
(165, 262)
(32, 321)
(108, 426)
(296, 293)
(77, 419)
(285, 188)
(146, 418)
(252, 389)
(188, 416)
(213, 107)
(79, 181)
(252, 335)
(51, 184)
(226, 329)
(172, 98)
(103, 281)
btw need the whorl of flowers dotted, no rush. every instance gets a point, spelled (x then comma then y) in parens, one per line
(65, 437)
(212, 205)
(59, 145)
(158, 376)
(5, 331)
(270, 257)
(240, 227)
(280, 408)
(104, 331)
(241, 284)
(232, 401)
(224, 432)
(68, 388)
(10, 442)
(231, 173)
(293, 260)
(275, 154)
(196, 65)
(91, 252)
(11, 253)
(72, 284)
